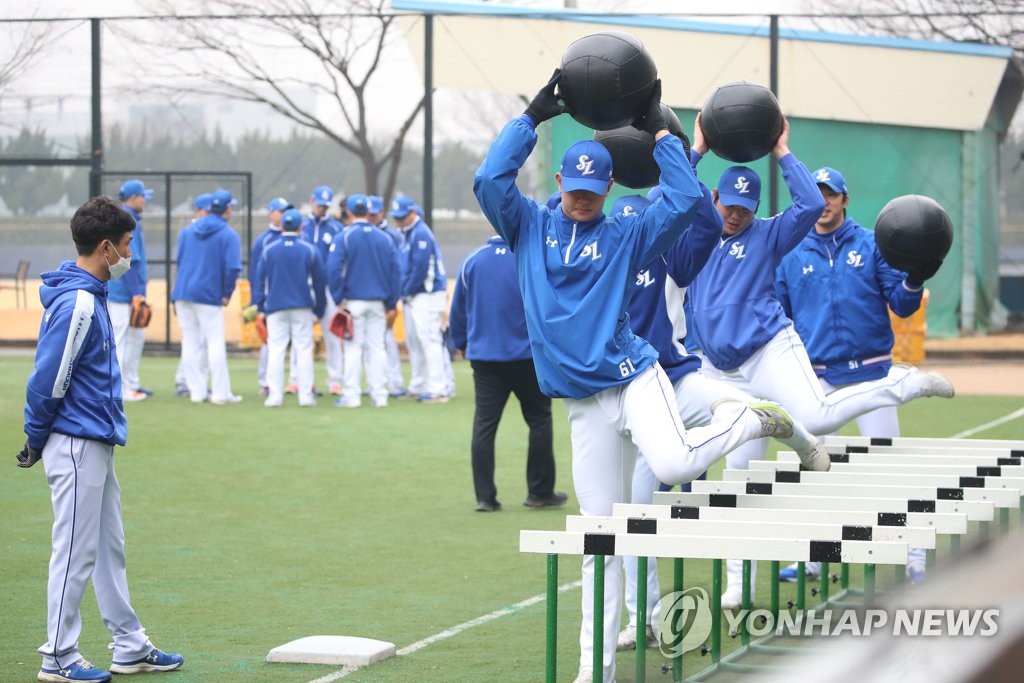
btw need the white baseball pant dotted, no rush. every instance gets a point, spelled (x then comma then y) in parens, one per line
(293, 325)
(202, 333)
(332, 343)
(423, 338)
(366, 347)
(128, 341)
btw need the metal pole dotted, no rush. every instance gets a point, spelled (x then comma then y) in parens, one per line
(96, 152)
(167, 263)
(428, 119)
(551, 646)
(773, 70)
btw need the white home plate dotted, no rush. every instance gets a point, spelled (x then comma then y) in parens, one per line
(344, 650)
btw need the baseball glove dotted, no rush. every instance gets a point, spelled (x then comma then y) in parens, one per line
(341, 324)
(249, 313)
(141, 312)
(29, 456)
(261, 328)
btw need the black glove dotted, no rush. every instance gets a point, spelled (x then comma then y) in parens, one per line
(29, 456)
(686, 144)
(921, 272)
(545, 104)
(652, 120)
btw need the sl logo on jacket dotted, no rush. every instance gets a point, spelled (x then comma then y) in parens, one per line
(644, 279)
(737, 250)
(591, 251)
(854, 259)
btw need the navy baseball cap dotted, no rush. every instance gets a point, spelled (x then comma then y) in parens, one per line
(221, 200)
(374, 204)
(629, 205)
(401, 206)
(831, 178)
(587, 165)
(278, 204)
(130, 188)
(740, 186)
(357, 204)
(291, 219)
(322, 195)
(202, 202)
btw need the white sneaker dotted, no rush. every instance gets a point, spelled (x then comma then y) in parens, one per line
(816, 457)
(627, 638)
(928, 383)
(732, 598)
(131, 396)
(586, 675)
(233, 398)
(272, 403)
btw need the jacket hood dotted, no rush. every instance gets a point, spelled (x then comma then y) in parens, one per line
(68, 277)
(209, 225)
(837, 235)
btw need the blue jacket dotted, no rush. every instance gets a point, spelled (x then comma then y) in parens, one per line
(424, 269)
(656, 308)
(577, 278)
(487, 320)
(321, 232)
(271, 234)
(837, 289)
(364, 265)
(209, 261)
(134, 281)
(733, 302)
(291, 275)
(399, 239)
(75, 388)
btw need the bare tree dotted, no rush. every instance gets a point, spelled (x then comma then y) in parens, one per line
(990, 22)
(23, 43)
(293, 56)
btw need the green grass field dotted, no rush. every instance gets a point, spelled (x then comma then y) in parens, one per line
(248, 527)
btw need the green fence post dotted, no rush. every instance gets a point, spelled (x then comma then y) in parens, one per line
(551, 646)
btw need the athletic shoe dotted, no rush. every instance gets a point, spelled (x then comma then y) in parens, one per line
(181, 390)
(317, 392)
(81, 670)
(627, 638)
(732, 598)
(342, 403)
(488, 506)
(154, 661)
(789, 574)
(144, 390)
(307, 404)
(272, 403)
(233, 398)
(928, 383)
(555, 499)
(586, 675)
(334, 388)
(291, 389)
(775, 421)
(264, 390)
(398, 393)
(816, 457)
(131, 396)
(432, 398)
(915, 572)
(379, 404)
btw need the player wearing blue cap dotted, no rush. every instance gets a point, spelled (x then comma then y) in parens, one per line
(74, 418)
(364, 276)
(396, 385)
(425, 301)
(291, 291)
(130, 291)
(275, 207)
(576, 269)
(200, 207)
(320, 229)
(209, 261)
(837, 289)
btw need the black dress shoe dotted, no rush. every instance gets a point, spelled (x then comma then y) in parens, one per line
(556, 499)
(487, 506)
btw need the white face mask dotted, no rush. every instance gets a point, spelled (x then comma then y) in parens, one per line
(122, 266)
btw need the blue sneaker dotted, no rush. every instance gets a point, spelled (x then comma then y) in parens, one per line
(432, 398)
(81, 670)
(145, 391)
(916, 572)
(789, 574)
(154, 661)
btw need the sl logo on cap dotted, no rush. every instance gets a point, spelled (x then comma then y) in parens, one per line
(742, 184)
(585, 165)
(823, 176)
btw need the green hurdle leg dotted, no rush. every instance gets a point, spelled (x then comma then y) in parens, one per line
(954, 545)
(598, 616)
(824, 582)
(641, 619)
(677, 586)
(745, 603)
(869, 582)
(551, 646)
(801, 586)
(844, 576)
(716, 610)
(775, 588)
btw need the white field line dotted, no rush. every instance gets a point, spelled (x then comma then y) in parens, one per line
(989, 425)
(454, 630)
(448, 633)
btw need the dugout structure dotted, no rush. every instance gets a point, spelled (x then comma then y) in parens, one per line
(895, 116)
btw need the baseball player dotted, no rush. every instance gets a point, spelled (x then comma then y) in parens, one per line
(425, 301)
(291, 291)
(837, 267)
(575, 266)
(488, 325)
(741, 328)
(201, 207)
(321, 230)
(364, 276)
(126, 293)
(275, 207)
(74, 417)
(396, 385)
(656, 314)
(209, 261)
